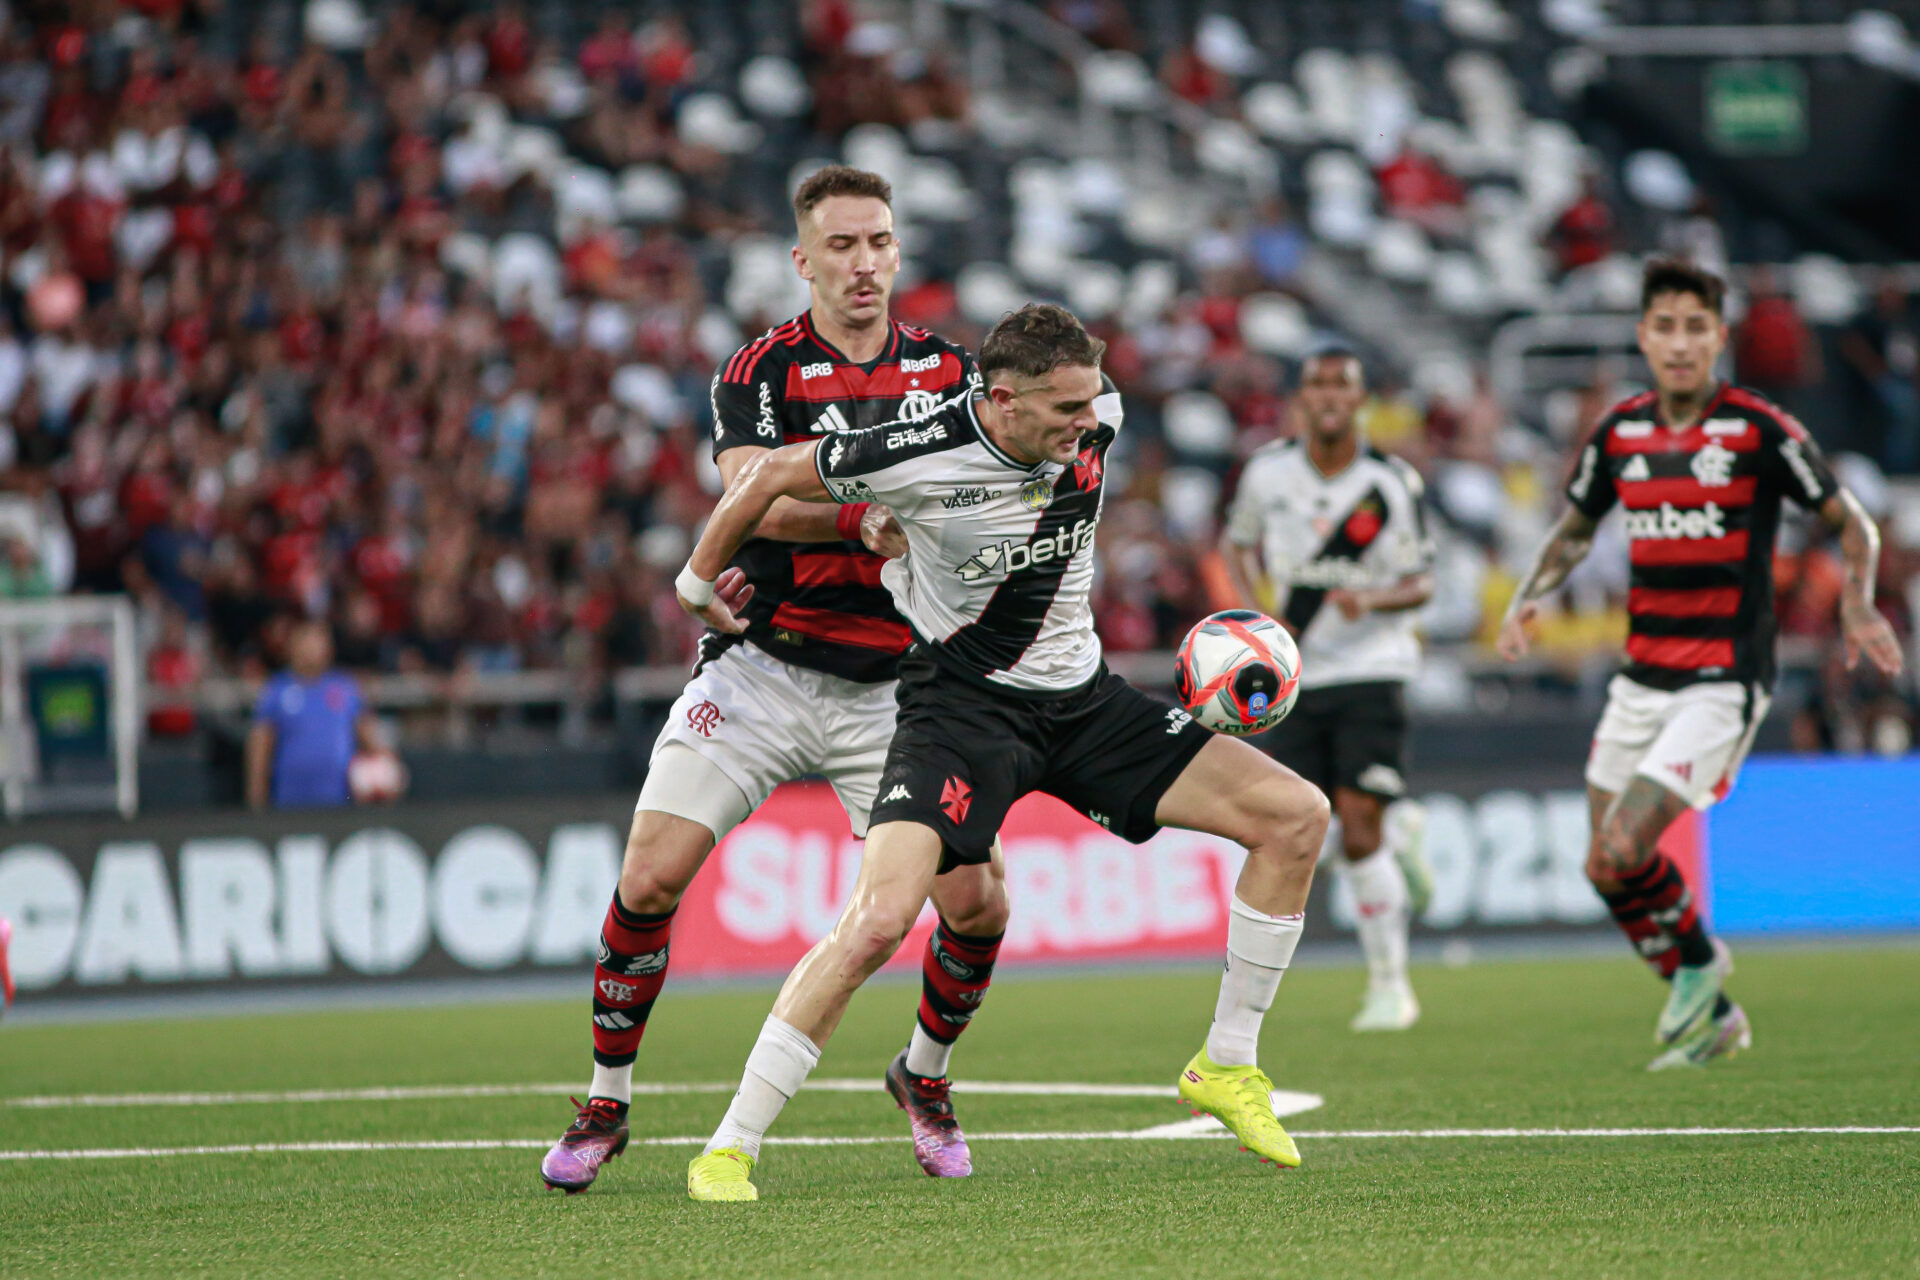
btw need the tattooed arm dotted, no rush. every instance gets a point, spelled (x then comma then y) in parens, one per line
(1862, 627)
(1564, 548)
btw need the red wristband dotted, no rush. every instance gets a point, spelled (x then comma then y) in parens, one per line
(848, 521)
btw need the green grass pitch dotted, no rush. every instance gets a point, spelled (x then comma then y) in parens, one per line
(1557, 1043)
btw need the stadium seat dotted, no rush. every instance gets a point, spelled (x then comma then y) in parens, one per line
(1151, 285)
(1400, 252)
(1198, 423)
(877, 147)
(1190, 501)
(710, 120)
(1274, 324)
(1095, 289)
(985, 291)
(526, 266)
(1117, 79)
(649, 193)
(1276, 112)
(1459, 286)
(1658, 180)
(1326, 80)
(773, 87)
(1824, 290)
(1097, 187)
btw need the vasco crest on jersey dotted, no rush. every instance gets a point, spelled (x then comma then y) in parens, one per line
(1365, 521)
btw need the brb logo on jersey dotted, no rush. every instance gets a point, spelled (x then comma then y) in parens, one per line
(1009, 557)
(1669, 523)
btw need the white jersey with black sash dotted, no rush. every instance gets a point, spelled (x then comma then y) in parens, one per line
(999, 571)
(1360, 529)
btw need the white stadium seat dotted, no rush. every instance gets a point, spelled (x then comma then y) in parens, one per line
(1275, 325)
(1198, 423)
(649, 193)
(773, 86)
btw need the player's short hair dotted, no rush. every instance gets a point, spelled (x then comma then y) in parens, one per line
(1334, 351)
(1678, 275)
(839, 180)
(1037, 339)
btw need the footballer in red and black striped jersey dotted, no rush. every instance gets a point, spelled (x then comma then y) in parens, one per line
(1700, 468)
(806, 688)
(820, 605)
(1702, 507)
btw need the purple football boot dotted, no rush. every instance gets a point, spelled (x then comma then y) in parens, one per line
(938, 1143)
(597, 1134)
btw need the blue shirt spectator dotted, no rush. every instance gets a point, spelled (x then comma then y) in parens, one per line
(306, 724)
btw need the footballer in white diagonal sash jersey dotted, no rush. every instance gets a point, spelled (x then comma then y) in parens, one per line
(1003, 693)
(1331, 529)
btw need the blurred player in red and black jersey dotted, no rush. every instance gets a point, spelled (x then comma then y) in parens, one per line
(1700, 468)
(807, 689)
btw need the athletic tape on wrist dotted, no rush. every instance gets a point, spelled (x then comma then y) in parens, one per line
(848, 521)
(696, 589)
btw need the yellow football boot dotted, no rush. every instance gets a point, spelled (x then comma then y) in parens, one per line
(1241, 1098)
(725, 1174)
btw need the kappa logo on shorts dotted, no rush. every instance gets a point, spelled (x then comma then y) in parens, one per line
(704, 717)
(956, 797)
(898, 793)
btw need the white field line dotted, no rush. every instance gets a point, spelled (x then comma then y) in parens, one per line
(535, 1144)
(411, 1093)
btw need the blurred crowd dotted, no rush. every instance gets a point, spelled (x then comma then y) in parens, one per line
(249, 372)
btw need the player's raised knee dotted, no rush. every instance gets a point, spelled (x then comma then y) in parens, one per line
(869, 934)
(1285, 813)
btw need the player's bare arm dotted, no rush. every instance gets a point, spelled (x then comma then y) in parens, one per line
(790, 520)
(1410, 592)
(1863, 628)
(1566, 546)
(704, 589)
(1247, 575)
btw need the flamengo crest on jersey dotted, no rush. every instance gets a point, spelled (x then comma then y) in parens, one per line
(997, 578)
(821, 605)
(1702, 507)
(1361, 529)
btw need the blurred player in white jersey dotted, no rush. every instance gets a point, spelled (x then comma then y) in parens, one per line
(1326, 533)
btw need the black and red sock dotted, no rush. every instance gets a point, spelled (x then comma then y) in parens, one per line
(626, 981)
(954, 977)
(1656, 910)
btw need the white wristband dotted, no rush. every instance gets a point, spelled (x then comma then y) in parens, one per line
(696, 590)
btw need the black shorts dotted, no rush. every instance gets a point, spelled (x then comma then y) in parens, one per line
(1346, 735)
(962, 754)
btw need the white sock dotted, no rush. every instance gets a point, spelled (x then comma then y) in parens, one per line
(927, 1056)
(1380, 908)
(612, 1082)
(1259, 948)
(780, 1062)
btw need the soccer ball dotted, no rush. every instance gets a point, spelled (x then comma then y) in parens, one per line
(376, 777)
(1238, 672)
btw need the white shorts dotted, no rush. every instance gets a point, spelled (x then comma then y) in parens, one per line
(762, 722)
(1691, 741)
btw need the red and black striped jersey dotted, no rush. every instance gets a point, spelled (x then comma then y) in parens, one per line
(1702, 508)
(820, 605)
